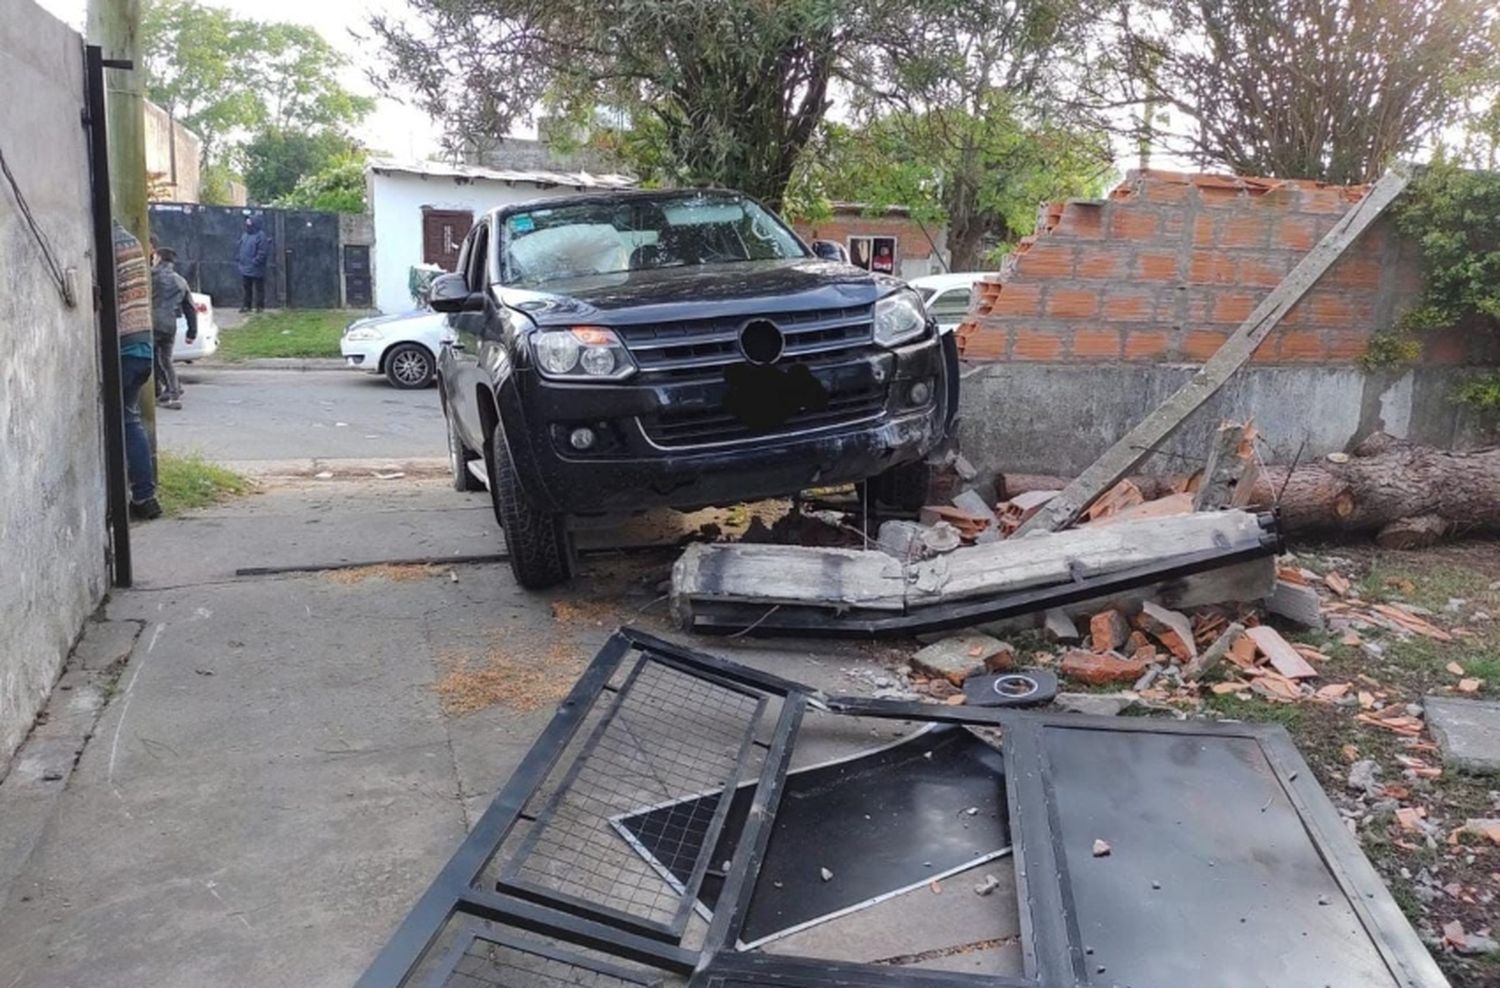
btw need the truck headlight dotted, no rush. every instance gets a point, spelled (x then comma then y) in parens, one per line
(582, 352)
(899, 318)
(363, 334)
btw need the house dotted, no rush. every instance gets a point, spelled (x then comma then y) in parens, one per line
(890, 240)
(423, 210)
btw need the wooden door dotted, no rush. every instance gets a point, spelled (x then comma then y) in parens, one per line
(443, 233)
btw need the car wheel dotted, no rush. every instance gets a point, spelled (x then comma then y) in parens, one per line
(458, 462)
(538, 542)
(409, 367)
(903, 486)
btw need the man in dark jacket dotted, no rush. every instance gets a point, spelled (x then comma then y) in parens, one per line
(170, 297)
(252, 259)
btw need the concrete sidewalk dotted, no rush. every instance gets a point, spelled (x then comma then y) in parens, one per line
(272, 781)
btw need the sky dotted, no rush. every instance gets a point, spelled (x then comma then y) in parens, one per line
(394, 129)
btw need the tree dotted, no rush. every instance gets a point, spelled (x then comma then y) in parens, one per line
(1321, 89)
(224, 76)
(277, 159)
(339, 187)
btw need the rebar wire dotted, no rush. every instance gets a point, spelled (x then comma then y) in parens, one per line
(58, 277)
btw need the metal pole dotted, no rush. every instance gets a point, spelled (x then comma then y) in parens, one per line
(109, 325)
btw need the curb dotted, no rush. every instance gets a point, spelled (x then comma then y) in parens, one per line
(340, 468)
(276, 363)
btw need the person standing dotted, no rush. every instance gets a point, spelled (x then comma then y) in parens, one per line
(133, 302)
(170, 297)
(252, 258)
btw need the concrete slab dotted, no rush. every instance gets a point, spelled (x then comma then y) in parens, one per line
(1467, 731)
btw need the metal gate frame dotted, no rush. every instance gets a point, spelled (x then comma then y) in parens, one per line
(1052, 951)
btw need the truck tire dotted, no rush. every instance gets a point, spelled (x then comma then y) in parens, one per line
(903, 486)
(458, 463)
(538, 542)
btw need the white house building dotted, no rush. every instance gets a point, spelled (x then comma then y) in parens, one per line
(423, 210)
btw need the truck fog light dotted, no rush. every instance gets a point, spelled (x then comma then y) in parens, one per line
(598, 361)
(581, 438)
(920, 393)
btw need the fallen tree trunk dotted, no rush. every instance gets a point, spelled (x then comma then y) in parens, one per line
(1407, 496)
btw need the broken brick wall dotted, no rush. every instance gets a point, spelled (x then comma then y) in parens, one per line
(1113, 305)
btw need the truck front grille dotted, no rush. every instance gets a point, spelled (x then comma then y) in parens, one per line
(675, 428)
(697, 348)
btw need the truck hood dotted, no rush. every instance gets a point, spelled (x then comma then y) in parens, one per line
(701, 291)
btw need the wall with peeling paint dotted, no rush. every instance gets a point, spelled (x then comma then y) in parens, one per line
(52, 485)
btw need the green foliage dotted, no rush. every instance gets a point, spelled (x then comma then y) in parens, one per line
(216, 185)
(340, 187)
(1480, 393)
(277, 160)
(187, 482)
(224, 76)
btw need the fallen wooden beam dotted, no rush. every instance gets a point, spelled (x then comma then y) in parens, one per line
(1139, 442)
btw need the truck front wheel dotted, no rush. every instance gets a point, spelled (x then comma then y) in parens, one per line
(538, 542)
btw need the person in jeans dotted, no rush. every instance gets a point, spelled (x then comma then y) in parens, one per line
(169, 296)
(252, 258)
(133, 303)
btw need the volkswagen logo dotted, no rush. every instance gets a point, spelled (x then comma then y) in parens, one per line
(761, 342)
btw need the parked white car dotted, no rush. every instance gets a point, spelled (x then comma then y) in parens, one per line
(207, 342)
(403, 347)
(948, 296)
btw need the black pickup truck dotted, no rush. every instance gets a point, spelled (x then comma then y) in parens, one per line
(621, 351)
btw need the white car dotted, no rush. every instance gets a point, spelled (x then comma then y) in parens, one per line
(206, 344)
(948, 296)
(403, 347)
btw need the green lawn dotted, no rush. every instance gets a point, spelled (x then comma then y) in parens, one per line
(287, 333)
(187, 482)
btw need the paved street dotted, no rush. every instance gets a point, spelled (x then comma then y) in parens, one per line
(244, 416)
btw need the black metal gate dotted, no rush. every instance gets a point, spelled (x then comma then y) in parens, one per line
(304, 267)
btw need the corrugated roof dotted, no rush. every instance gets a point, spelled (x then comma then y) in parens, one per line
(471, 173)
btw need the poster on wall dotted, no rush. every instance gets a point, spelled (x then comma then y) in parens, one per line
(873, 253)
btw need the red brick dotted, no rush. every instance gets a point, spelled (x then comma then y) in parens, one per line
(1211, 267)
(1046, 260)
(1347, 344)
(1031, 344)
(1105, 265)
(1330, 200)
(1072, 303)
(1146, 344)
(1204, 232)
(1355, 271)
(1202, 344)
(1083, 221)
(1128, 305)
(1158, 267)
(1174, 192)
(1301, 344)
(1254, 271)
(1451, 348)
(1251, 230)
(1018, 299)
(1135, 223)
(1322, 309)
(1100, 670)
(1297, 233)
(1096, 344)
(1234, 307)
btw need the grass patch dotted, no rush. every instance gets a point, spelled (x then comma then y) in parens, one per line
(187, 482)
(287, 333)
(1232, 707)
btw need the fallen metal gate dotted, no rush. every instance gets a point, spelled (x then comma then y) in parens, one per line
(1224, 844)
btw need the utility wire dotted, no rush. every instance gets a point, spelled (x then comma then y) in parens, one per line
(60, 279)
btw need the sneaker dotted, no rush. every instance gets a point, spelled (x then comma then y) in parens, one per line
(146, 510)
(171, 403)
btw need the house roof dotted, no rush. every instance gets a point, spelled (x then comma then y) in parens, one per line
(473, 173)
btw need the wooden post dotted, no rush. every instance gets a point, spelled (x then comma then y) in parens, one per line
(1138, 443)
(115, 26)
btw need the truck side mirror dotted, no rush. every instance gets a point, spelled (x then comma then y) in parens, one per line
(450, 293)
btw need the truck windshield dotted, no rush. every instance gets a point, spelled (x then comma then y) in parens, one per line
(609, 237)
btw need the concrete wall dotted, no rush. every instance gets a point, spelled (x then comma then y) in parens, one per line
(1098, 318)
(396, 201)
(172, 157)
(52, 488)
